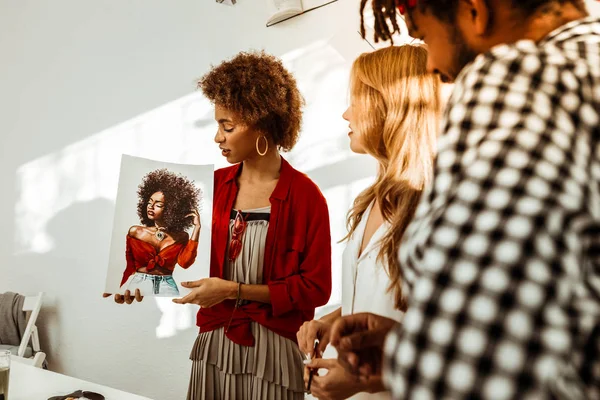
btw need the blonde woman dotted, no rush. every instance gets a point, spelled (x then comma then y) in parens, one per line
(393, 115)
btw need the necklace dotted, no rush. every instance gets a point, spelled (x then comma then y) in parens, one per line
(160, 234)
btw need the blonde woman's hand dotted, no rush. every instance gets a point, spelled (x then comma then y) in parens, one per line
(311, 330)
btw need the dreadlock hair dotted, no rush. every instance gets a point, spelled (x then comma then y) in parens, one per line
(383, 11)
(386, 14)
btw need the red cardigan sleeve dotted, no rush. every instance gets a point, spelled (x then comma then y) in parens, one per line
(311, 286)
(188, 253)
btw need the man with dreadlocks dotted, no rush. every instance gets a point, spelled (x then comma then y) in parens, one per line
(503, 256)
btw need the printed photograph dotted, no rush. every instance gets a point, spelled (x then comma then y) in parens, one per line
(161, 229)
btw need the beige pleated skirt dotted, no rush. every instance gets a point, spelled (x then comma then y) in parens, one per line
(272, 369)
(221, 369)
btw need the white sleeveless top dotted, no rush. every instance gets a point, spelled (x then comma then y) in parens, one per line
(365, 282)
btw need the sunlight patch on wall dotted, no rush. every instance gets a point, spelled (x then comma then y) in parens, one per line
(88, 170)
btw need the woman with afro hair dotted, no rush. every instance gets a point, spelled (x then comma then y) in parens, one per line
(271, 244)
(167, 207)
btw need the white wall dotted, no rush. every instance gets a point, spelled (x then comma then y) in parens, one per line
(82, 82)
(593, 7)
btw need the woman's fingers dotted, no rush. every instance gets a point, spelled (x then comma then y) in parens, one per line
(128, 298)
(313, 332)
(185, 300)
(323, 342)
(302, 339)
(192, 284)
(194, 214)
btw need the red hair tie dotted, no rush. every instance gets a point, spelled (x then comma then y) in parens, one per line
(404, 4)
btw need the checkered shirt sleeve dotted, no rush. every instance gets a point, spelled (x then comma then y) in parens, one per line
(503, 256)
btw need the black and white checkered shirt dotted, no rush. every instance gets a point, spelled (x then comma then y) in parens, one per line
(503, 256)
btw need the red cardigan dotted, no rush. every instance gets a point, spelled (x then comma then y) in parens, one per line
(297, 265)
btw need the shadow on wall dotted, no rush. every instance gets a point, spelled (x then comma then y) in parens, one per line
(78, 234)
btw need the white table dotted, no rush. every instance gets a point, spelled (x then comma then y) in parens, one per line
(30, 383)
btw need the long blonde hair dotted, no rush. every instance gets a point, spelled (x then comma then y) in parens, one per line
(398, 107)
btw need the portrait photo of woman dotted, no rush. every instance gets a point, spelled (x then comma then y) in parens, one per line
(159, 211)
(167, 207)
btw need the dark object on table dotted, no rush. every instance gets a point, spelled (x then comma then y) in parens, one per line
(78, 394)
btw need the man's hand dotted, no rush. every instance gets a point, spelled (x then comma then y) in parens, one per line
(359, 340)
(336, 384)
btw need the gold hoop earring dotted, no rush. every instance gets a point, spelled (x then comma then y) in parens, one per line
(266, 145)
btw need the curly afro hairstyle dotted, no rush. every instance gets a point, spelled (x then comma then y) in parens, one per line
(257, 87)
(181, 196)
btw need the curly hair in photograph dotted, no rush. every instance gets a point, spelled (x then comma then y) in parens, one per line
(181, 196)
(264, 94)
